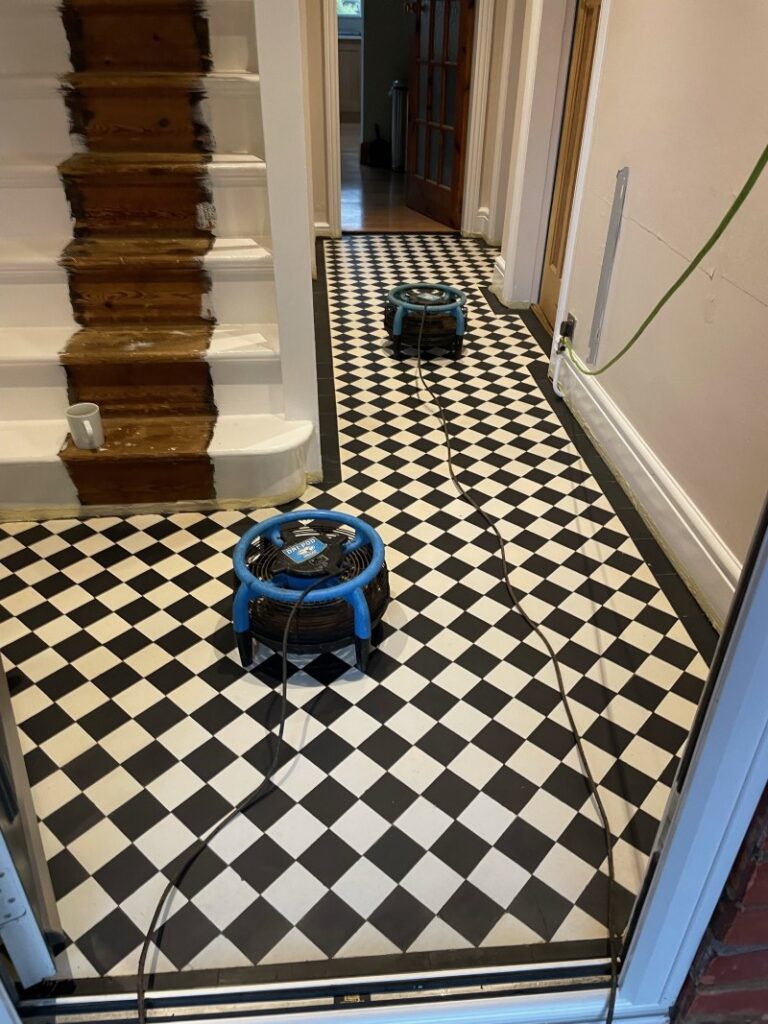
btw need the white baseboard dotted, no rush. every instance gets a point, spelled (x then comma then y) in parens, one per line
(700, 555)
(479, 226)
(323, 229)
(497, 277)
(482, 219)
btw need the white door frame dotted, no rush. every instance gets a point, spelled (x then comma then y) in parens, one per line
(330, 51)
(547, 35)
(472, 218)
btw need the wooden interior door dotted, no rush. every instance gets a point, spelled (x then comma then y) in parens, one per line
(438, 107)
(582, 52)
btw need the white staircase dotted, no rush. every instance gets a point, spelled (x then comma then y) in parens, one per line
(261, 355)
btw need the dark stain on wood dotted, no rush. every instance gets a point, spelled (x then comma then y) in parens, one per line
(143, 218)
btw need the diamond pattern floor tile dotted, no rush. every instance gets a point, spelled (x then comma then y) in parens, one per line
(437, 802)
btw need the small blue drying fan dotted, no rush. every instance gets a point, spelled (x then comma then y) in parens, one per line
(284, 556)
(434, 313)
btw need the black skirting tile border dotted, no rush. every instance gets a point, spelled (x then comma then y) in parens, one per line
(329, 432)
(685, 605)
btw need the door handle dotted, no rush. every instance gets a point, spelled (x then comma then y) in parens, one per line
(7, 792)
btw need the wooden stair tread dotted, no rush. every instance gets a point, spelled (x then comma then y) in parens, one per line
(131, 6)
(152, 252)
(156, 81)
(111, 164)
(142, 344)
(138, 439)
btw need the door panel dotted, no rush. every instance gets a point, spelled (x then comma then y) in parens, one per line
(584, 35)
(438, 107)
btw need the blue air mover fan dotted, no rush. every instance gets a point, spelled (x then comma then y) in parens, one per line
(286, 555)
(437, 312)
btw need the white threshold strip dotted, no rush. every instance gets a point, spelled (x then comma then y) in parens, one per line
(566, 1000)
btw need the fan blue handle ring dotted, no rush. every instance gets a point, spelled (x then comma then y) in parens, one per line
(458, 300)
(350, 591)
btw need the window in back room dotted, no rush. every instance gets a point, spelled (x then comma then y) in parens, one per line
(350, 14)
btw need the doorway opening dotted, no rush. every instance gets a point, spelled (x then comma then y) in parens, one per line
(404, 72)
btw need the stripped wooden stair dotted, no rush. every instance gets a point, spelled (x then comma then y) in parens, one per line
(143, 223)
(138, 272)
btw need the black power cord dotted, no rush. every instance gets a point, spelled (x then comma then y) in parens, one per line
(259, 793)
(516, 602)
(264, 786)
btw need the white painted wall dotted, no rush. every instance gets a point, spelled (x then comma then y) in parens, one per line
(683, 101)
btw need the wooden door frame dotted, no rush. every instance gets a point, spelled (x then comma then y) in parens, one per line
(478, 104)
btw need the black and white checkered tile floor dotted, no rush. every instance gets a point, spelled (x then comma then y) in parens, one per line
(437, 802)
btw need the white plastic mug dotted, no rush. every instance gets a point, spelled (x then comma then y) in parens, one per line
(85, 425)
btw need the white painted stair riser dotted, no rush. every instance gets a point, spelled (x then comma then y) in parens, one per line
(31, 472)
(35, 122)
(33, 40)
(232, 34)
(35, 298)
(245, 370)
(33, 203)
(33, 383)
(33, 391)
(232, 109)
(257, 458)
(244, 364)
(35, 292)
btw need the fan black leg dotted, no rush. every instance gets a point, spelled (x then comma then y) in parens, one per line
(397, 348)
(245, 649)
(362, 653)
(378, 635)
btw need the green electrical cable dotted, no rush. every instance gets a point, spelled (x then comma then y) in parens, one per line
(732, 211)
